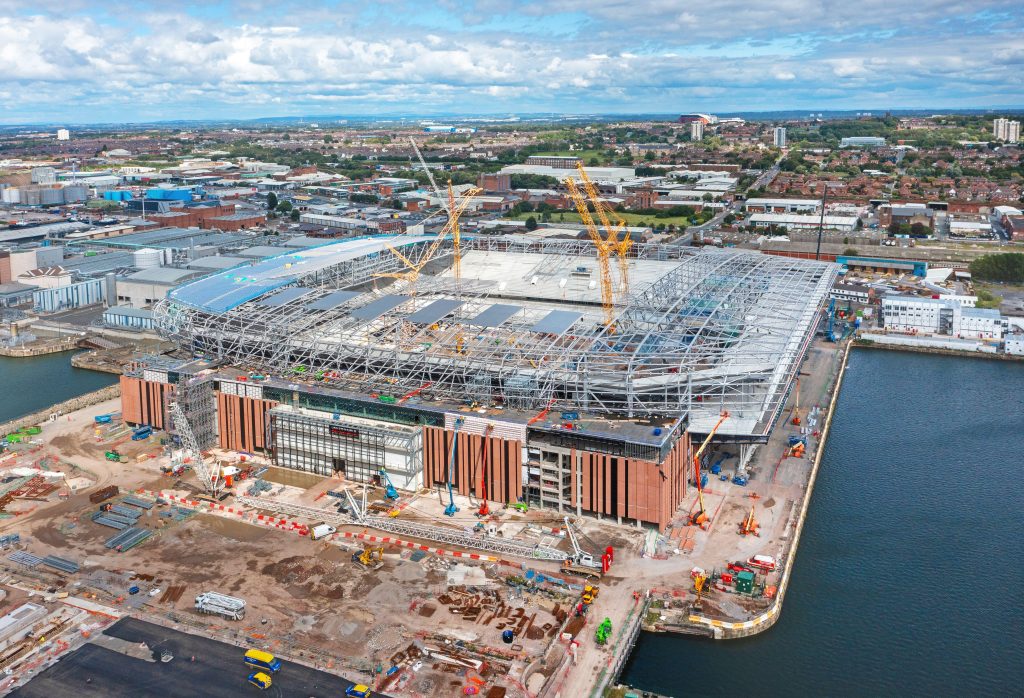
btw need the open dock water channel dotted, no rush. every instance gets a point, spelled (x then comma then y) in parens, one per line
(34, 383)
(908, 577)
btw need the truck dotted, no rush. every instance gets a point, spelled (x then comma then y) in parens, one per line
(222, 605)
(321, 531)
(763, 562)
(114, 456)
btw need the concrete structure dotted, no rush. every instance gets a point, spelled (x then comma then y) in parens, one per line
(912, 314)
(796, 222)
(63, 134)
(558, 162)
(862, 142)
(1006, 130)
(696, 130)
(880, 264)
(906, 214)
(1014, 344)
(857, 293)
(779, 136)
(46, 277)
(89, 292)
(762, 205)
(564, 413)
(13, 294)
(146, 287)
(123, 316)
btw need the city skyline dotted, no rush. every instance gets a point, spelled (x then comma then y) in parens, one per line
(120, 62)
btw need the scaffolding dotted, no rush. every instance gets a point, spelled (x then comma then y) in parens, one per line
(698, 333)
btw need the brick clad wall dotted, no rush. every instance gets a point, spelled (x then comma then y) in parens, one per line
(501, 458)
(242, 422)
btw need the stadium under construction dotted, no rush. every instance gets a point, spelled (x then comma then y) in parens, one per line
(493, 367)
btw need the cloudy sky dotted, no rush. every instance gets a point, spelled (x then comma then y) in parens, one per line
(76, 61)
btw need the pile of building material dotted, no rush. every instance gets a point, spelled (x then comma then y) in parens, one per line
(127, 539)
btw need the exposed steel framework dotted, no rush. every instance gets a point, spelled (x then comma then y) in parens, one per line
(699, 332)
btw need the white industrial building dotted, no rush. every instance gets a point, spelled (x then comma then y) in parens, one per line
(143, 288)
(915, 315)
(756, 205)
(796, 222)
(1015, 344)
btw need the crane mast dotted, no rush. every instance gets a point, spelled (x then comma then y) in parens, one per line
(620, 247)
(603, 253)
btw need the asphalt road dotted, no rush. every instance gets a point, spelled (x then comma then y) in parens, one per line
(97, 672)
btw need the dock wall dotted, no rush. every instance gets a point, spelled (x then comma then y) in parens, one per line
(66, 407)
(724, 630)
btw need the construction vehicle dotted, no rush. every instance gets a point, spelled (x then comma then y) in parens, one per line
(763, 562)
(321, 531)
(143, 432)
(700, 580)
(590, 593)
(484, 510)
(451, 509)
(604, 631)
(700, 517)
(749, 525)
(570, 567)
(366, 557)
(389, 488)
(221, 605)
(113, 456)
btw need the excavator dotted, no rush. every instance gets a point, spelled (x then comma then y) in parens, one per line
(366, 557)
(749, 525)
(700, 517)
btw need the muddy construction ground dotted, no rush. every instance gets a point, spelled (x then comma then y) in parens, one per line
(305, 599)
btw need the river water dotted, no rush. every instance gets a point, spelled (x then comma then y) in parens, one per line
(908, 579)
(34, 383)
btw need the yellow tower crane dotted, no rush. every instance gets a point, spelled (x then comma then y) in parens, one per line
(700, 518)
(619, 246)
(603, 253)
(412, 273)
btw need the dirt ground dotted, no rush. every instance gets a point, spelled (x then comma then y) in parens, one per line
(310, 599)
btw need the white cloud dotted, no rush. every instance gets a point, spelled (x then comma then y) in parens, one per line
(616, 54)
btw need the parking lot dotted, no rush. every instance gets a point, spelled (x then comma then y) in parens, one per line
(218, 670)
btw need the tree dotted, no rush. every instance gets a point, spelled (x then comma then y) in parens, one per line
(708, 197)
(531, 223)
(328, 138)
(729, 219)
(294, 215)
(850, 252)
(284, 206)
(271, 201)
(999, 267)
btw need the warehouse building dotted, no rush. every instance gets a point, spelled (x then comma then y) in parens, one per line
(504, 380)
(913, 314)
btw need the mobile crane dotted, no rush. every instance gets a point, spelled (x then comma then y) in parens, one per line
(389, 488)
(451, 509)
(700, 518)
(580, 562)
